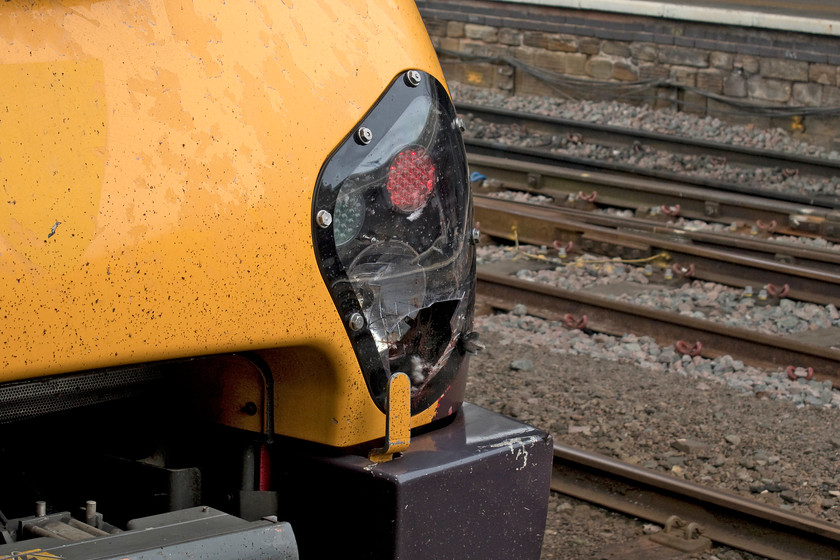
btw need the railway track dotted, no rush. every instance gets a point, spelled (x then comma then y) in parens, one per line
(619, 137)
(786, 252)
(498, 289)
(539, 172)
(625, 137)
(732, 260)
(724, 518)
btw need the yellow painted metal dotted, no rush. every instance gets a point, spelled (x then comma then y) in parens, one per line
(157, 163)
(34, 554)
(398, 415)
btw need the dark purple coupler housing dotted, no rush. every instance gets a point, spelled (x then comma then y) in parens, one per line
(476, 488)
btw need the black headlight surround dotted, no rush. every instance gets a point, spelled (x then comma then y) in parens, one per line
(397, 122)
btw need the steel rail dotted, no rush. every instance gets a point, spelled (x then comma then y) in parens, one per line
(790, 253)
(631, 191)
(538, 156)
(542, 225)
(498, 289)
(726, 518)
(616, 136)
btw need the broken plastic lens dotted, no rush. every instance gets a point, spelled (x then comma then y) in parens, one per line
(391, 286)
(398, 251)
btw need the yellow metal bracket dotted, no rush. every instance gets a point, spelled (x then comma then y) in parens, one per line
(397, 419)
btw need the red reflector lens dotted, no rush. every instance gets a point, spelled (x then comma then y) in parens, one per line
(411, 179)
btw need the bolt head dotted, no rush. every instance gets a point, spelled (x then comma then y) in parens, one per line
(476, 235)
(250, 408)
(459, 122)
(323, 218)
(364, 135)
(356, 322)
(412, 78)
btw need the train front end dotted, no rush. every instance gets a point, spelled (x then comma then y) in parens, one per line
(239, 273)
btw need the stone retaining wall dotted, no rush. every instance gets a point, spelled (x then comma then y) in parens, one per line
(700, 66)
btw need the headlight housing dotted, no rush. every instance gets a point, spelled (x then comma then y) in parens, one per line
(392, 219)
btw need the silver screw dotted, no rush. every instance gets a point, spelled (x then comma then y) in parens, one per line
(412, 78)
(476, 235)
(356, 322)
(40, 508)
(323, 218)
(90, 512)
(459, 122)
(364, 135)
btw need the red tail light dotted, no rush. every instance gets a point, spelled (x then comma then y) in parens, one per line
(411, 179)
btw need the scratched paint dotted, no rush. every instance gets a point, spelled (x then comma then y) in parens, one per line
(190, 137)
(52, 142)
(518, 448)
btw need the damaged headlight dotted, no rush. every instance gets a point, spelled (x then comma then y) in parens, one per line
(392, 229)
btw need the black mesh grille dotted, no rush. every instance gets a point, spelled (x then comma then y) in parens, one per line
(31, 398)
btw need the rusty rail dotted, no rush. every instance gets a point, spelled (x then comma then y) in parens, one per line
(542, 173)
(542, 225)
(500, 290)
(802, 255)
(726, 518)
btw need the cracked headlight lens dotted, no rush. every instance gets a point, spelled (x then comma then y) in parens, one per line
(398, 251)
